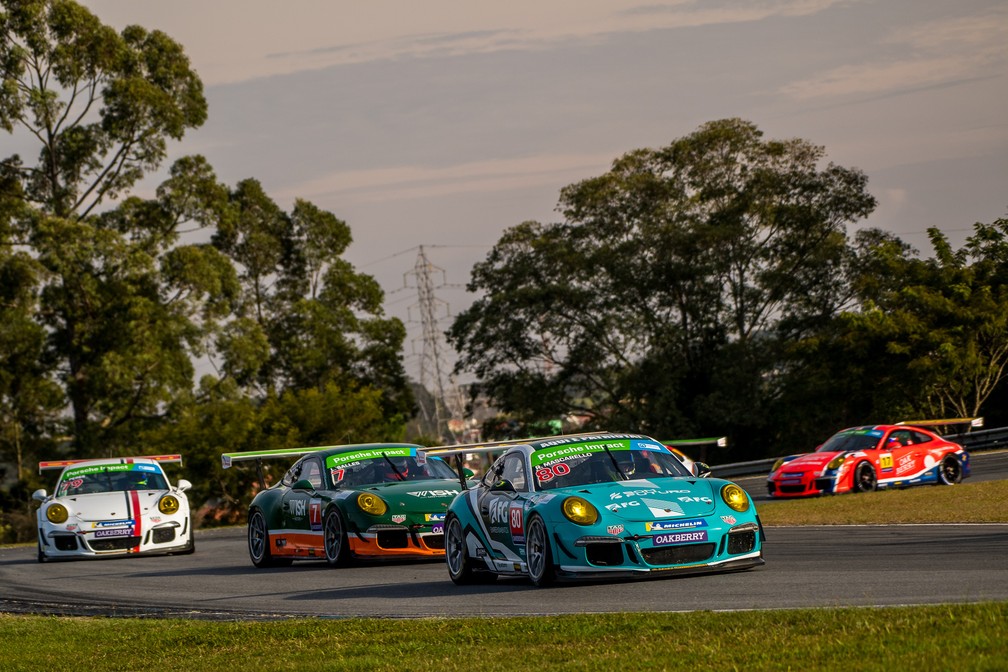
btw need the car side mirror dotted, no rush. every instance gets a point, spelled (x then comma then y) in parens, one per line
(468, 473)
(183, 485)
(303, 484)
(503, 485)
(701, 470)
(39, 495)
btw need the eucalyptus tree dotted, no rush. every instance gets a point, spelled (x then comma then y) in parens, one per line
(663, 298)
(944, 325)
(99, 107)
(320, 320)
(30, 400)
(924, 337)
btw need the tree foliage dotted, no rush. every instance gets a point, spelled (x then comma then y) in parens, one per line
(111, 303)
(937, 328)
(661, 301)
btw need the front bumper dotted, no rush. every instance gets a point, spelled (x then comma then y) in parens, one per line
(723, 549)
(57, 542)
(798, 484)
(396, 541)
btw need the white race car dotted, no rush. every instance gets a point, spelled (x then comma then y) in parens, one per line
(113, 506)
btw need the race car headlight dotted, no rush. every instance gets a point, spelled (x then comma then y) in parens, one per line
(372, 504)
(835, 463)
(735, 497)
(777, 464)
(580, 511)
(57, 513)
(168, 504)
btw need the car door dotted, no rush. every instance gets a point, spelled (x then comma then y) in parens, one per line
(502, 504)
(301, 508)
(895, 458)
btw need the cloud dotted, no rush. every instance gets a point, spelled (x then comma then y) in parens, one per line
(265, 38)
(405, 182)
(934, 53)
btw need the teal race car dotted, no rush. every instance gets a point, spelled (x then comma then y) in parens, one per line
(594, 506)
(355, 501)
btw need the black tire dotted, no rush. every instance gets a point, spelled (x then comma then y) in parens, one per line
(864, 477)
(950, 471)
(334, 539)
(456, 554)
(538, 554)
(258, 542)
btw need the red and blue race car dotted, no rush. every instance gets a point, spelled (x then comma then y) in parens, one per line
(860, 459)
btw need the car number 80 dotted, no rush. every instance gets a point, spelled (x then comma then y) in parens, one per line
(548, 473)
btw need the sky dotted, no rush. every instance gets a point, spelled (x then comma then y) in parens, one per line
(438, 124)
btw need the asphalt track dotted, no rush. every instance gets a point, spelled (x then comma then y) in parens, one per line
(820, 566)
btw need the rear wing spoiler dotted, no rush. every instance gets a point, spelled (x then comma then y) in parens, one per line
(719, 441)
(972, 422)
(60, 464)
(229, 459)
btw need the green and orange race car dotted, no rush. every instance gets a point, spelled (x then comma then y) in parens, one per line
(376, 500)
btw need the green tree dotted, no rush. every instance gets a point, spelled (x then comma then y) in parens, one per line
(662, 300)
(321, 321)
(926, 338)
(947, 321)
(30, 400)
(100, 106)
(107, 305)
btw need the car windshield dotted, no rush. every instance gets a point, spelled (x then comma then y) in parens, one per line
(110, 478)
(600, 466)
(386, 467)
(850, 441)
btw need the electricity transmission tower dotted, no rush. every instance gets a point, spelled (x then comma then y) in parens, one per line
(448, 408)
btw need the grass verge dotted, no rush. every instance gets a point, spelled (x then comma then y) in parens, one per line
(965, 503)
(946, 637)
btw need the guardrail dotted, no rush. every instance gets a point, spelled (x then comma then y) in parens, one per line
(977, 441)
(984, 439)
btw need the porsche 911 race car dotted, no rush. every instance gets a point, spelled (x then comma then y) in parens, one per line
(354, 501)
(592, 506)
(113, 506)
(861, 459)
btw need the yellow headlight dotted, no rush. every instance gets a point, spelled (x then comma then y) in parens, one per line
(372, 504)
(580, 511)
(168, 504)
(735, 497)
(835, 462)
(777, 465)
(57, 513)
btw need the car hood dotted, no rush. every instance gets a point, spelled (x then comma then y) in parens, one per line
(416, 496)
(649, 499)
(809, 462)
(110, 505)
